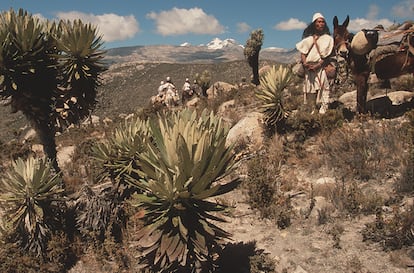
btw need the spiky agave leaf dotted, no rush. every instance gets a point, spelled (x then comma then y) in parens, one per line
(48, 71)
(180, 171)
(80, 61)
(100, 212)
(119, 153)
(271, 94)
(27, 73)
(27, 192)
(28, 76)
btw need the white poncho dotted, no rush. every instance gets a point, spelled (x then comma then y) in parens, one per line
(316, 80)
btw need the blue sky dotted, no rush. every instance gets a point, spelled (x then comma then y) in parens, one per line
(174, 22)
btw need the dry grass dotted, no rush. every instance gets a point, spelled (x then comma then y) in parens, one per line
(362, 151)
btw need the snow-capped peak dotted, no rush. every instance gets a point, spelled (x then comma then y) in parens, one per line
(276, 49)
(185, 44)
(217, 43)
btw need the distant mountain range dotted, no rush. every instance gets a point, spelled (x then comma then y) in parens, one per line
(216, 50)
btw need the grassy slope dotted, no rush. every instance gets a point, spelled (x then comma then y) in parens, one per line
(128, 88)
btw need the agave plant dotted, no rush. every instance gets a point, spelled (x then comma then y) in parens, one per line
(49, 72)
(100, 212)
(28, 194)
(180, 173)
(119, 155)
(27, 77)
(79, 65)
(271, 94)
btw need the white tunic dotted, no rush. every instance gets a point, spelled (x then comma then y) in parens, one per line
(316, 80)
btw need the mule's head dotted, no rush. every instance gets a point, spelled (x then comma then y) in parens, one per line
(342, 37)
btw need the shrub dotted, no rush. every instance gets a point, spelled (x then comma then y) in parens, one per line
(363, 153)
(99, 212)
(406, 182)
(120, 153)
(264, 190)
(393, 233)
(303, 125)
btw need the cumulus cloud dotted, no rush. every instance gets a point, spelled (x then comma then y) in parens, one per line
(360, 23)
(182, 21)
(291, 24)
(113, 27)
(404, 9)
(243, 27)
(370, 21)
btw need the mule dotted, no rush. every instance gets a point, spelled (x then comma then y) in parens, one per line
(391, 65)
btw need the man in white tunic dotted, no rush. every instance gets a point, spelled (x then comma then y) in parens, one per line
(316, 47)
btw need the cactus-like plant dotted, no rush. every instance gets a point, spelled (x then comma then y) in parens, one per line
(119, 154)
(252, 51)
(49, 72)
(79, 65)
(180, 172)
(270, 94)
(27, 195)
(98, 212)
(204, 80)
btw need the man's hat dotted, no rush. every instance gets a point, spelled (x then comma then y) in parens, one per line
(316, 16)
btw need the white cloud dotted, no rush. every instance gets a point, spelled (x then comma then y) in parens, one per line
(404, 9)
(182, 21)
(370, 21)
(113, 27)
(243, 27)
(291, 24)
(361, 23)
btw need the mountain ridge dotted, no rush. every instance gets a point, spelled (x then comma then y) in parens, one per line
(215, 51)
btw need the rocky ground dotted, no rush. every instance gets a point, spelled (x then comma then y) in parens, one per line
(305, 246)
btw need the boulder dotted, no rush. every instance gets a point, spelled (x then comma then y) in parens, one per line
(401, 97)
(249, 130)
(392, 103)
(193, 102)
(225, 107)
(263, 70)
(219, 88)
(29, 135)
(64, 155)
(348, 99)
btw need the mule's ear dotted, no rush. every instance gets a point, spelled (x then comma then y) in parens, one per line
(346, 22)
(335, 21)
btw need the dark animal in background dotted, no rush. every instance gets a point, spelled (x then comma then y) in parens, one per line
(385, 65)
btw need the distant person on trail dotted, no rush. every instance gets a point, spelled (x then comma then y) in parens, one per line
(171, 94)
(159, 98)
(161, 89)
(161, 92)
(316, 47)
(187, 92)
(196, 88)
